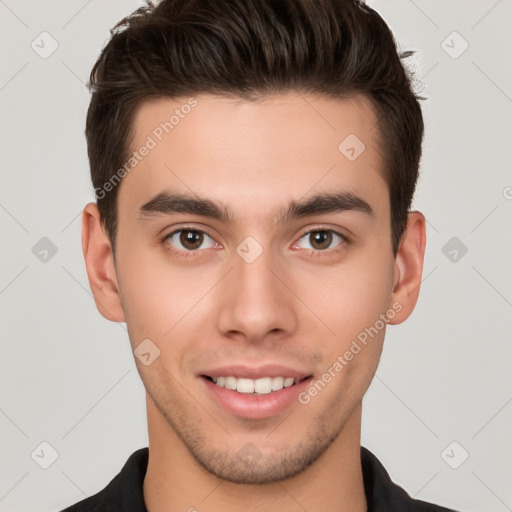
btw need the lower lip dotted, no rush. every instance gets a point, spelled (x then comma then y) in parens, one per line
(251, 406)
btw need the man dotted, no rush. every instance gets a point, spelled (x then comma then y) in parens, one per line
(254, 163)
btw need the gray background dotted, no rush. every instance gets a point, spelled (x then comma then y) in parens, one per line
(67, 376)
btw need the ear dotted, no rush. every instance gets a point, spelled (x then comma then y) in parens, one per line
(409, 267)
(99, 261)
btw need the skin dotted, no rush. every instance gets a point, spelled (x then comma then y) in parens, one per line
(296, 305)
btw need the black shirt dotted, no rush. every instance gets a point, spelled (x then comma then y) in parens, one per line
(124, 492)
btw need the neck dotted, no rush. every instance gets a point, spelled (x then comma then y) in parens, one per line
(175, 482)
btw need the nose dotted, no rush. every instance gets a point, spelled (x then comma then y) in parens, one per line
(255, 303)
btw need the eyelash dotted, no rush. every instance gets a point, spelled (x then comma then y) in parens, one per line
(312, 253)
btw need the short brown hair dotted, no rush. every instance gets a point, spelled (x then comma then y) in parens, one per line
(247, 49)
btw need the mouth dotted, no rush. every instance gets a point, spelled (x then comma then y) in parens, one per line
(254, 393)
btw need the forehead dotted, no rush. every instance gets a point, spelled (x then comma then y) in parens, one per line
(252, 154)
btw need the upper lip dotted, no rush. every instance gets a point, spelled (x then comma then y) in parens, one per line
(256, 372)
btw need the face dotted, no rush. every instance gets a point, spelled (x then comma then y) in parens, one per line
(255, 253)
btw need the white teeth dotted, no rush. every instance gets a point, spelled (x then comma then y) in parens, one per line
(288, 382)
(262, 386)
(245, 386)
(230, 383)
(277, 383)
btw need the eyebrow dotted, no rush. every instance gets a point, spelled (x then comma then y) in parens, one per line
(166, 203)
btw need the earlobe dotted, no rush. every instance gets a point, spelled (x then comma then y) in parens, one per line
(99, 262)
(409, 266)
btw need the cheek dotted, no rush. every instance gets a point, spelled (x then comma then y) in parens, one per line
(158, 298)
(349, 298)
(352, 305)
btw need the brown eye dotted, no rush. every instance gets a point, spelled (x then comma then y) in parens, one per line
(321, 239)
(190, 240)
